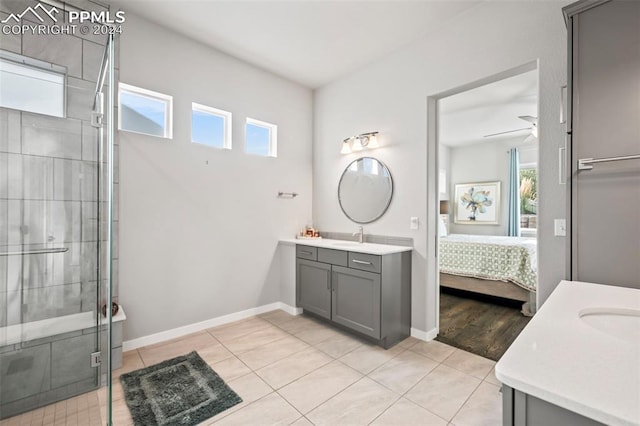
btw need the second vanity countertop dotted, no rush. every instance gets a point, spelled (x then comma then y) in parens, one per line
(562, 359)
(368, 248)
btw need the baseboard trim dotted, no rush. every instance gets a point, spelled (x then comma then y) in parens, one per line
(174, 333)
(424, 335)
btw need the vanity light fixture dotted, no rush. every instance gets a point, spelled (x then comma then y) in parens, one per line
(360, 142)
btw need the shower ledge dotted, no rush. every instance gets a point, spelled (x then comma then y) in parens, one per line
(50, 327)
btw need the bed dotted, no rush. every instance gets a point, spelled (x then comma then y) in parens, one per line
(493, 265)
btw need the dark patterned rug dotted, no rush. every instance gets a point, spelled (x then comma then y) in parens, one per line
(182, 391)
(479, 324)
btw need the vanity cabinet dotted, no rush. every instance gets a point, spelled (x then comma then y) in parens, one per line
(314, 287)
(365, 293)
(355, 300)
(521, 409)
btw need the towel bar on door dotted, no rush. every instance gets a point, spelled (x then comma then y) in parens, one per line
(586, 163)
(35, 251)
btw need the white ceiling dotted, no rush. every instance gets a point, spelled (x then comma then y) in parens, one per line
(466, 117)
(312, 42)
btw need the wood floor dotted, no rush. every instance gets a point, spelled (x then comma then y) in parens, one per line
(483, 325)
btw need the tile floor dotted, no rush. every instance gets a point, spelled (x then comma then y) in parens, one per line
(295, 370)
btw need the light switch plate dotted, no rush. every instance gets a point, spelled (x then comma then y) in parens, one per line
(560, 227)
(414, 223)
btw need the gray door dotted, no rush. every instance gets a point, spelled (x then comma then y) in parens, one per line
(314, 287)
(356, 300)
(605, 225)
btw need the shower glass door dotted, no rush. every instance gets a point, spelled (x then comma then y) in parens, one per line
(53, 234)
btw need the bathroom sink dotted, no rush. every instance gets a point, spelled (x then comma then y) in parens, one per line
(618, 322)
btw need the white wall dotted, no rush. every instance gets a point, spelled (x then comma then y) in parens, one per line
(390, 96)
(199, 226)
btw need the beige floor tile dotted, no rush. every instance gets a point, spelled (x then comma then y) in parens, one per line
(121, 414)
(358, 404)
(340, 345)
(250, 388)
(369, 357)
(298, 324)
(302, 421)
(491, 378)
(443, 391)
(293, 367)
(277, 317)
(408, 342)
(484, 407)
(311, 390)
(269, 410)
(435, 350)
(402, 372)
(272, 352)
(163, 351)
(313, 335)
(406, 413)
(237, 329)
(469, 363)
(230, 368)
(255, 339)
(214, 353)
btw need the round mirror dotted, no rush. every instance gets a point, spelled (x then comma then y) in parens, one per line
(365, 190)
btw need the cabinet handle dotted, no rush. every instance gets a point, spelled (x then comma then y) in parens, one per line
(362, 262)
(306, 252)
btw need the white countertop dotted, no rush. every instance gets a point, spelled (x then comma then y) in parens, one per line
(561, 359)
(369, 248)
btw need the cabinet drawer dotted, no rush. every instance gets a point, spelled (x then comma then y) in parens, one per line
(306, 252)
(335, 257)
(364, 262)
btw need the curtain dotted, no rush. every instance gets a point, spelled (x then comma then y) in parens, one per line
(513, 225)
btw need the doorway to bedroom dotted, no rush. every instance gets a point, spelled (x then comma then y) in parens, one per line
(487, 227)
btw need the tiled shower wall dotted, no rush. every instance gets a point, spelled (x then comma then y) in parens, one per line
(49, 198)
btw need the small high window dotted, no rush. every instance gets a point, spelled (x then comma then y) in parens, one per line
(31, 88)
(144, 111)
(261, 138)
(210, 126)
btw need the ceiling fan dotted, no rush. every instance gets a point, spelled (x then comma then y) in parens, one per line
(533, 129)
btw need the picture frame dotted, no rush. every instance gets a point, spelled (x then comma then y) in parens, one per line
(477, 203)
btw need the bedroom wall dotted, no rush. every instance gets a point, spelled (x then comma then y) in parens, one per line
(482, 162)
(390, 95)
(444, 158)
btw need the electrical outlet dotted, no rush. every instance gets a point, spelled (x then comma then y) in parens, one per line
(414, 223)
(560, 228)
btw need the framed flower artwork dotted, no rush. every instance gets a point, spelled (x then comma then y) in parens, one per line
(477, 203)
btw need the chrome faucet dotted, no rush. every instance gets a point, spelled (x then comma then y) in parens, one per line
(360, 234)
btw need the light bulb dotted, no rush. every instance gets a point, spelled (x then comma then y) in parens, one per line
(373, 142)
(346, 149)
(357, 144)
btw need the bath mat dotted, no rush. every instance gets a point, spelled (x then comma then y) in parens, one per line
(182, 391)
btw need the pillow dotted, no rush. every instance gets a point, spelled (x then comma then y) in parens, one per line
(442, 228)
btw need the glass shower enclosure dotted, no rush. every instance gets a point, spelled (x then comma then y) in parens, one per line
(56, 211)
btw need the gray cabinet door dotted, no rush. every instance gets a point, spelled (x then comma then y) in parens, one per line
(356, 300)
(605, 224)
(314, 287)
